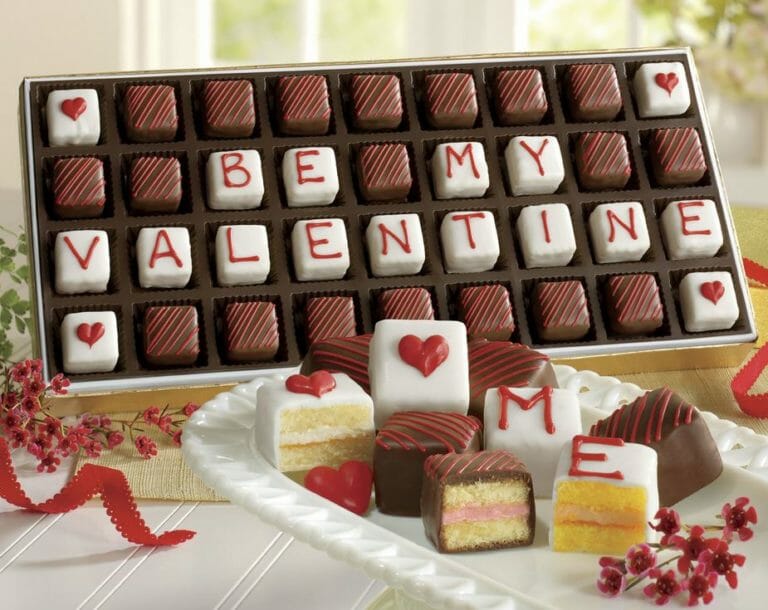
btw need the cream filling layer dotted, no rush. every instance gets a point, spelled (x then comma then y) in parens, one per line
(319, 435)
(489, 512)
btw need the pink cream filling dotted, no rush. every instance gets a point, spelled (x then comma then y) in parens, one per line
(485, 513)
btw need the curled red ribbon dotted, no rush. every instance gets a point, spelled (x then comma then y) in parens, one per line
(89, 481)
(755, 405)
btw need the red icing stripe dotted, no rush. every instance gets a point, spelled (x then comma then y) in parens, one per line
(679, 150)
(605, 152)
(171, 329)
(594, 85)
(487, 309)
(563, 304)
(453, 430)
(636, 297)
(407, 304)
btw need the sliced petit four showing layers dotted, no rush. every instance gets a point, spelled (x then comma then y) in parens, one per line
(303, 105)
(348, 355)
(604, 496)
(593, 92)
(691, 229)
(395, 244)
(251, 332)
(229, 109)
(534, 424)
(688, 458)
(634, 304)
(81, 261)
(155, 184)
(89, 342)
(450, 100)
(487, 312)
(560, 311)
(322, 419)
(320, 249)
(618, 232)
(377, 102)
(234, 180)
(171, 335)
(708, 301)
(546, 235)
(661, 89)
(310, 176)
(406, 304)
(470, 241)
(477, 501)
(78, 187)
(418, 365)
(520, 97)
(73, 117)
(384, 172)
(164, 257)
(149, 113)
(602, 161)
(242, 255)
(677, 157)
(534, 165)
(402, 446)
(459, 170)
(330, 317)
(502, 363)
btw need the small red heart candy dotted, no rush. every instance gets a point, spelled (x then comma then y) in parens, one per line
(74, 107)
(349, 486)
(667, 81)
(90, 333)
(317, 384)
(424, 355)
(712, 291)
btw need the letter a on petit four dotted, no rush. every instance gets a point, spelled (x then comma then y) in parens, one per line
(534, 424)
(164, 257)
(418, 365)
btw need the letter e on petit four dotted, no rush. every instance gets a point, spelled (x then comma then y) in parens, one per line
(320, 249)
(546, 235)
(73, 117)
(534, 424)
(470, 241)
(81, 260)
(235, 181)
(604, 496)
(89, 342)
(619, 232)
(418, 365)
(242, 255)
(395, 244)
(708, 301)
(691, 229)
(535, 165)
(661, 89)
(310, 176)
(459, 170)
(164, 257)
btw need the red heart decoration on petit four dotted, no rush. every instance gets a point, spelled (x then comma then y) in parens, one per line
(317, 384)
(424, 355)
(90, 333)
(712, 291)
(667, 81)
(74, 107)
(349, 486)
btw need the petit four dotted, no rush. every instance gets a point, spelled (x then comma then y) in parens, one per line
(376, 101)
(708, 301)
(406, 304)
(459, 170)
(677, 157)
(520, 97)
(330, 317)
(251, 331)
(78, 187)
(546, 235)
(661, 89)
(602, 160)
(310, 176)
(395, 244)
(450, 100)
(534, 165)
(487, 312)
(320, 250)
(303, 106)
(81, 260)
(691, 229)
(171, 335)
(89, 342)
(149, 113)
(155, 184)
(384, 172)
(618, 232)
(634, 304)
(234, 180)
(229, 109)
(470, 241)
(164, 257)
(242, 255)
(593, 92)
(348, 355)
(73, 117)
(560, 310)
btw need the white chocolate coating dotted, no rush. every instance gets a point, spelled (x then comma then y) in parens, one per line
(320, 249)
(172, 264)
(237, 248)
(661, 89)
(618, 232)
(698, 293)
(395, 244)
(81, 261)
(546, 235)
(691, 229)
(63, 130)
(234, 180)
(534, 164)
(470, 241)
(310, 176)
(459, 170)
(80, 357)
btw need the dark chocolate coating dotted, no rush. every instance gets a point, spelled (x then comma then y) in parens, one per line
(634, 304)
(593, 92)
(251, 331)
(384, 172)
(303, 106)
(602, 160)
(155, 184)
(688, 458)
(677, 157)
(330, 318)
(149, 113)
(347, 355)
(171, 335)
(229, 109)
(406, 304)
(450, 100)
(520, 97)
(487, 312)
(402, 446)
(78, 188)
(560, 311)
(376, 101)
(466, 469)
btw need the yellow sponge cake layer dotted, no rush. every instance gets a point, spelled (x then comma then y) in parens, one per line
(294, 421)
(603, 539)
(331, 453)
(599, 495)
(472, 535)
(480, 493)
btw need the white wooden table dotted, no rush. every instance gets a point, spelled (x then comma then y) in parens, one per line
(78, 560)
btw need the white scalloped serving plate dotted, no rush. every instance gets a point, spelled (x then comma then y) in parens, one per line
(218, 446)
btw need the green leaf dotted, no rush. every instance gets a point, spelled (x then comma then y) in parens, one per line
(6, 251)
(22, 248)
(20, 325)
(6, 349)
(20, 307)
(23, 272)
(5, 317)
(9, 298)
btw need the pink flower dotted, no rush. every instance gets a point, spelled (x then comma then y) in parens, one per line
(668, 523)
(34, 386)
(612, 581)
(68, 445)
(664, 587)
(35, 366)
(93, 448)
(29, 405)
(699, 585)
(59, 384)
(151, 415)
(50, 427)
(12, 420)
(613, 562)
(718, 558)
(190, 408)
(114, 439)
(105, 422)
(20, 371)
(737, 519)
(39, 445)
(18, 437)
(691, 547)
(177, 438)
(146, 447)
(48, 462)
(165, 423)
(640, 559)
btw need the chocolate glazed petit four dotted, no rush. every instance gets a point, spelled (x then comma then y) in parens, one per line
(149, 113)
(688, 458)
(78, 187)
(376, 101)
(520, 97)
(229, 108)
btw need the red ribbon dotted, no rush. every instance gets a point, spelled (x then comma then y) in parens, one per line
(755, 405)
(90, 480)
